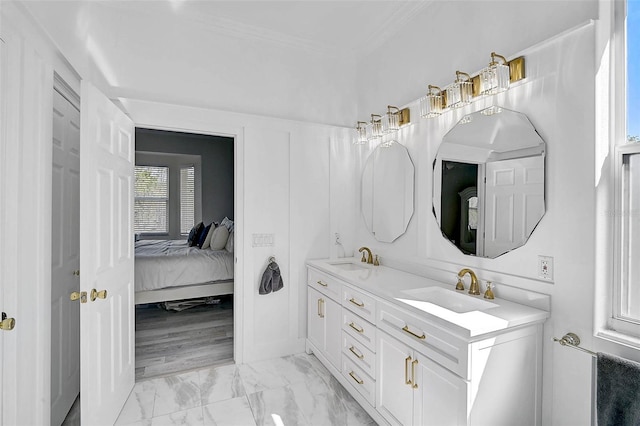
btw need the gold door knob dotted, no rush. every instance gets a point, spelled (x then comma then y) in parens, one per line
(95, 294)
(82, 295)
(7, 323)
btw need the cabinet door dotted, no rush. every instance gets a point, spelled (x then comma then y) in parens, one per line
(394, 394)
(440, 397)
(333, 331)
(315, 318)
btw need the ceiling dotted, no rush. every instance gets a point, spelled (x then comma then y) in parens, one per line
(330, 27)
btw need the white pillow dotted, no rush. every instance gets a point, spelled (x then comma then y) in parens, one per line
(207, 240)
(228, 223)
(219, 238)
(229, 245)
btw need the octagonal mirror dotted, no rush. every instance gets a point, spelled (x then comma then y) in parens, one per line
(387, 191)
(489, 182)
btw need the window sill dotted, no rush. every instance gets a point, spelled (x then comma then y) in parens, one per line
(620, 338)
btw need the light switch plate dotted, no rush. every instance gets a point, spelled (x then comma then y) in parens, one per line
(545, 267)
(262, 240)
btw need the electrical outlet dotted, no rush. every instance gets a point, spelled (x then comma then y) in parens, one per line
(545, 267)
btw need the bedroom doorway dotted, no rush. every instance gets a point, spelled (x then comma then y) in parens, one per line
(184, 313)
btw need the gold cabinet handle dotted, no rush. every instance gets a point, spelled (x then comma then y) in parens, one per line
(321, 308)
(353, 351)
(407, 380)
(406, 330)
(82, 295)
(356, 328)
(322, 283)
(7, 324)
(354, 377)
(413, 374)
(76, 272)
(355, 302)
(95, 294)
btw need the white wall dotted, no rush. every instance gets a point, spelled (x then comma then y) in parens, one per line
(558, 96)
(282, 188)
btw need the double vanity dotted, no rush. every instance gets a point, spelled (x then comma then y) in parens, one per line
(414, 351)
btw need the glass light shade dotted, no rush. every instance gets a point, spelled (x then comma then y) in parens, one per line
(361, 135)
(387, 143)
(491, 110)
(374, 129)
(431, 104)
(494, 79)
(459, 94)
(390, 122)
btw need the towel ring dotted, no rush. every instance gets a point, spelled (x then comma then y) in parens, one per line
(272, 259)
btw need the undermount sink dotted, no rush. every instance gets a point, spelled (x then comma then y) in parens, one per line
(447, 299)
(348, 266)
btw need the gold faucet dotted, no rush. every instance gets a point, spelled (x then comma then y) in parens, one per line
(474, 288)
(365, 258)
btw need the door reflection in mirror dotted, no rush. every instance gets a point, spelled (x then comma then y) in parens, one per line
(489, 183)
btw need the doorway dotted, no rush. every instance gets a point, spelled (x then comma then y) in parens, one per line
(65, 251)
(192, 177)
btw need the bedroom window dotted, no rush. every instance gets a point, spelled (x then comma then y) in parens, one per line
(151, 204)
(187, 199)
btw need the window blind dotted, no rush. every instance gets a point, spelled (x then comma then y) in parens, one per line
(151, 204)
(187, 199)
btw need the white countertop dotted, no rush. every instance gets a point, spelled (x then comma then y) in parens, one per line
(391, 284)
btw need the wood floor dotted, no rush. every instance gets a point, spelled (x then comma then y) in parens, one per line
(168, 342)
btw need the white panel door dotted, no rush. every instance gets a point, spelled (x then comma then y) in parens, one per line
(65, 258)
(514, 202)
(107, 360)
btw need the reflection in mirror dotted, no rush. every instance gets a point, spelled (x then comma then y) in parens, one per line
(387, 191)
(489, 182)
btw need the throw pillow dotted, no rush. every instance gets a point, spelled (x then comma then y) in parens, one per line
(197, 230)
(219, 238)
(203, 236)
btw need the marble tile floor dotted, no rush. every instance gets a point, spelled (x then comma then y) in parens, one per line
(293, 390)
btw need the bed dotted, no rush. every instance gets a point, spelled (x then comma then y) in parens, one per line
(172, 270)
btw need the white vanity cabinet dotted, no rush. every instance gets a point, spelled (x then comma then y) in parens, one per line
(427, 365)
(324, 316)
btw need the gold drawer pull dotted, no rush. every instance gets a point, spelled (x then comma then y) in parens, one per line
(406, 329)
(353, 351)
(353, 376)
(322, 283)
(356, 328)
(413, 374)
(355, 302)
(320, 308)
(407, 380)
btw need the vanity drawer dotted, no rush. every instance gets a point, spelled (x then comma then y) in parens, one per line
(325, 284)
(426, 338)
(359, 302)
(363, 331)
(360, 380)
(359, 354)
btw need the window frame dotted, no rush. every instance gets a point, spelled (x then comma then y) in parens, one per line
(612, 122)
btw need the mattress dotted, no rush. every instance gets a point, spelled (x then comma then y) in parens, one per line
(171, 263)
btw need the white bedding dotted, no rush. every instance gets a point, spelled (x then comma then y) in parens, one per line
(171, 263)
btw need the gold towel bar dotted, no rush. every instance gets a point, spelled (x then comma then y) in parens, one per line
(573, 341)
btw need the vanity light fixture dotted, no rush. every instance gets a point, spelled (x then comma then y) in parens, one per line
(374, 128)
(460, 91)
(394, 119)
(361, 133)
(493, 79)
(431, 104)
